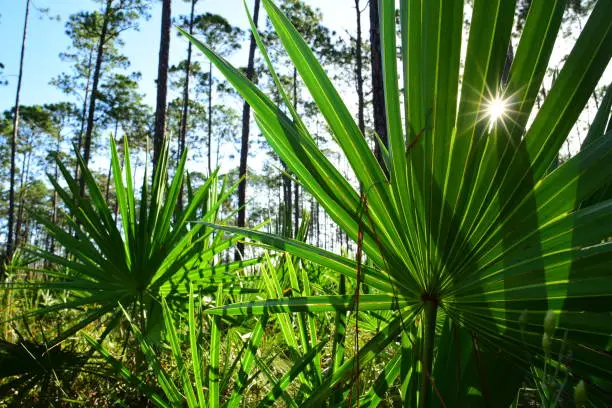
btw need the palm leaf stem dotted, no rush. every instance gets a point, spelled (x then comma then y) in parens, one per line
(430, 309)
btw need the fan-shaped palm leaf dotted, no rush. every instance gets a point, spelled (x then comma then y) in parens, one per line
(470, 224)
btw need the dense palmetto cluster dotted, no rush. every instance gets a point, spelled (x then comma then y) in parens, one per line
(154, 252)
(474, 227)
(482, 270)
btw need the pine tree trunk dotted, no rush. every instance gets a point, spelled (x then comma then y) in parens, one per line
(83, 114)
(359, 75)
(244, 145)
(10, 247)
(280, 208)
(358, 70)
(26, 233)
(25, 174)
(325, 221)
(54, 196)
(162, 82)
(209, 118)
(296, 190)
(94, 91)
(378, 95)
(287, 203)
(185, 113)
(318, 223)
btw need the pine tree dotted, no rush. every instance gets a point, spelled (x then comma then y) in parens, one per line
(118, 16)
(378, 96)
(10, 241)
(122, 108)
(359, 69)
(187, 22)
(224, 38)
(308, 22)
(64, 117)
(244, 141)
(162, 81)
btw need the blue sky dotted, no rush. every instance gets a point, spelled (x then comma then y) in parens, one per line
(46, 39)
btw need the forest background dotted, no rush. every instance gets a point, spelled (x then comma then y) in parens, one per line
(59, 69)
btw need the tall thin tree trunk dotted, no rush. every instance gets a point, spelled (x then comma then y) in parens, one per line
(280, 225)
(360, 101)
(317, 212)
(94, 90)
(209, 118)
(10, 247)
(110, 166)
(325, 222)
(185, 113)
(25, 174)
(296, 207)
(358, 70)
(26, 233)
(317, 222)
(54, 196)
(287, 203)
(162, 82)
(378, 95)
(296, 190)
(83, 114)
(244, 144)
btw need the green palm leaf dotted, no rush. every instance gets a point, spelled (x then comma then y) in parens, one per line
(470, 226)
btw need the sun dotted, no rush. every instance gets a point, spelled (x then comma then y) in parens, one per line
(496, 109)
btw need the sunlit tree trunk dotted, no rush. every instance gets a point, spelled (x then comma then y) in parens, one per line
(378, 96)
(25, 174)
(318, 222)
(54, 195)
(94, 90)
(358, 70)
(162, 82)
(185, 112)
(244, 144)
(10, 245)
(296, 190)
(209, 118)
(83, 114)
(287, 202)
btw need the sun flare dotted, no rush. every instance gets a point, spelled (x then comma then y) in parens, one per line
(496, 109)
